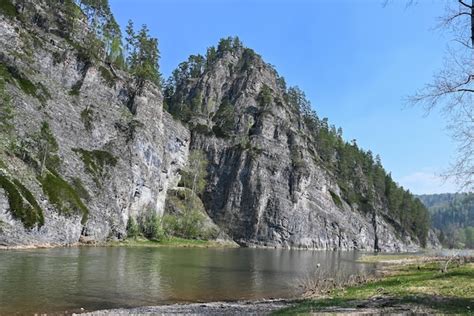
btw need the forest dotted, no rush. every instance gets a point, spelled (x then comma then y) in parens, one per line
(364, 182)
(452, 218)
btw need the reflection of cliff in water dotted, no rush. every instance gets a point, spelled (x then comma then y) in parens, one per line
(92, 278)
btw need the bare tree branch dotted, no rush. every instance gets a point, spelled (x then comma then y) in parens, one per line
(465, 4)
(452, 89)
(463, 43)
(451, 18)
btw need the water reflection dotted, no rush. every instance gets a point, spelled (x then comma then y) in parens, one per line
(56, 280)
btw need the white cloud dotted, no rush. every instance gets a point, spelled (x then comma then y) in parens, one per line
(427, 182)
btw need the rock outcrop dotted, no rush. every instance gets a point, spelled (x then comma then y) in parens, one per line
(266, 183)
(124, 163)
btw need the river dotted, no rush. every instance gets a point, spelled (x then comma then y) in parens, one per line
(68, 279)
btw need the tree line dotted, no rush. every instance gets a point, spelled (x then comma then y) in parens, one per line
(453, 218)
(363, 180)
(103, 40)
(361, 176)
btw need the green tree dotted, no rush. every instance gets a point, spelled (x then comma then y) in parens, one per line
(130, 43)
(211, 56)
(98, 14)
(151, 225)
(143, 56)
(297, 99)
(188, 216)
(196, 65)
(265, 98)
(113, 43)
(189, 224)
(133, 230)
(469, 233)
(224, 119)
(195, 173)
(225, 45)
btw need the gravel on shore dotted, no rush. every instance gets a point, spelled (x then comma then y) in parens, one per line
(214, 308)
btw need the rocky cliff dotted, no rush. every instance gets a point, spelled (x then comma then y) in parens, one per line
(268, 185)
(111, 163)
(88, 155)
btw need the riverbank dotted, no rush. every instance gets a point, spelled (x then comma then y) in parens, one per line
(405, 284)
(138, 242)
(408, 284)
(214, 308)
(173, 242)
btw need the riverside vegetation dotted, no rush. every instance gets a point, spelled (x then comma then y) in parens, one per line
(184, 217)
(409, 283)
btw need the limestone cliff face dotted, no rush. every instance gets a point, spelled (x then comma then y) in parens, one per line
(119, 155)
(267, 185)
(145, 150)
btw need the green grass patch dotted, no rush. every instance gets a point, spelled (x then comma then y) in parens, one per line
(388, 258)
(181, 242)
(63, 195)
(416, 286)
(29, 213)
(172, 242)
(7, 8)
(96, 163)
(425, 279)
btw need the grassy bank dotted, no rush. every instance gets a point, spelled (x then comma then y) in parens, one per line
(172, 242)
(415, 286)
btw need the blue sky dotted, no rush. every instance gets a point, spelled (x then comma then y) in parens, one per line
(356, 60)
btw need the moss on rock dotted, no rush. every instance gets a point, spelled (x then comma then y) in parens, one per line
(337, 200)
(14, 76)
(96, 162)
(63, 195)
(87, 117)
(23, 205)
(7, 8)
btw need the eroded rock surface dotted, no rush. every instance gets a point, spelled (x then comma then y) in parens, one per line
(118, 154)
(145, 149)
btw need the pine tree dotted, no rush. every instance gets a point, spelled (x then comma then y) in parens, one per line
(103, 41)
(130, 43)
(143, 56)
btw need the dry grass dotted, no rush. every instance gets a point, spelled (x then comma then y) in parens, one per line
(422, 287)
(321, 283)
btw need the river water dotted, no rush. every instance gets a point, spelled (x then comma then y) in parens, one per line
(68, 279)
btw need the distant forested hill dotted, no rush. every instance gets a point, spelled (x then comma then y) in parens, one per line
(452, 217)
